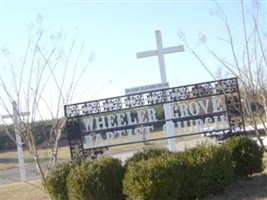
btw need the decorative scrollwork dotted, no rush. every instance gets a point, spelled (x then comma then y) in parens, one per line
(202, 90)
(156, 97)
(94, 153)
(76, 150)
(91, 108)
(218, 88)
(236, 125)
(229, 85)
(233, 105)
(153, 97)
(178, 93)
(235, 113)
(134, 101)
(112, 104)
(72, 111)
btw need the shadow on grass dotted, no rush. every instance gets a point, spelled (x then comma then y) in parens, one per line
(254, 188)
(31, 160)
(26, 160)
(8, 160)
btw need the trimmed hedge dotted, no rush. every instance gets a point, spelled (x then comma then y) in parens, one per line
(155, 178)
(195, 173)
(147, 154)
(96, 180)
(247, 155)
(210, 171)
(56, 180)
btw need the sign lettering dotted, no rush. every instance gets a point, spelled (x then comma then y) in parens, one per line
(198, 108)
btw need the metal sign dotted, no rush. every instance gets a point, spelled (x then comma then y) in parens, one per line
(146, 88)
(209, 107)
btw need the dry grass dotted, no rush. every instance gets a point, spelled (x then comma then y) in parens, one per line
(23, 191)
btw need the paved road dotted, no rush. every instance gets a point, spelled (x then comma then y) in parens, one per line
(12, 175)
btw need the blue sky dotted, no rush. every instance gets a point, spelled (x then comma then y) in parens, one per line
(114, 31)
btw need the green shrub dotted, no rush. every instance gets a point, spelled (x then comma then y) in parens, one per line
(210, 171)
(247, 155)
(155, 178)
(192, 174)
(221, 173)
(96, 180)
(147, 154)
(55, 182)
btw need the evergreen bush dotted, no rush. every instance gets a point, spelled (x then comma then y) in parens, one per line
(147, 154)
(55, 182)
(99, 179)
(210, 171)
(155, 178)
(247, 155)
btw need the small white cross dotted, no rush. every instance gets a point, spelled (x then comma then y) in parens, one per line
(160, 51)
(16, 121)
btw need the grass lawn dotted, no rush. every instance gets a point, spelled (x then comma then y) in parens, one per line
(23, 191)
(9, 158)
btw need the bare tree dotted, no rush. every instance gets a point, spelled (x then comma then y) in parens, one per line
(42, 82)
(248, 62)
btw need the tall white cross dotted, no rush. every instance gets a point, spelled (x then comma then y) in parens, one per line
(16, 122)
(160, 51)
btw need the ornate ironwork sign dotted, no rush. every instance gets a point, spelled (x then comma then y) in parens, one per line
(211, 107)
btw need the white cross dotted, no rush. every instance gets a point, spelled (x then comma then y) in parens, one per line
(16, 122)
(169, 129)
(160, 53)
